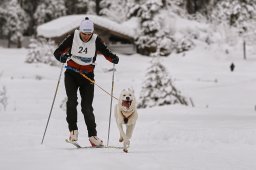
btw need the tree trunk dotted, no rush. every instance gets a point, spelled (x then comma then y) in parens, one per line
(9, 40)
(98, 7)
(19, 44)
(191, 6)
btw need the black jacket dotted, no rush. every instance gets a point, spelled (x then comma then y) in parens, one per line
(66, 46)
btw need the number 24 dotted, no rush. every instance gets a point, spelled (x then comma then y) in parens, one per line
(82, 50)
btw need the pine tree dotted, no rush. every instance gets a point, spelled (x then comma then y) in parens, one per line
(2, 20)
(49, 10)
(158, 88)
(115, 10)
(235, 12)
(30, 7)
(82, 6)
(15, 22)
(77, 6)
(194, 6)
(91, 8)
(151, 37)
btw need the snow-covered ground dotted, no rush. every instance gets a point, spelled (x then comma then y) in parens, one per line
(219, 133)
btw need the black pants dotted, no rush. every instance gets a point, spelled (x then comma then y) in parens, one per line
(73, 82)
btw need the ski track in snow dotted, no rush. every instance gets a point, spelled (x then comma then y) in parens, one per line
(218, 134)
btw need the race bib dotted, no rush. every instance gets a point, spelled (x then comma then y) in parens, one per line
(83, 52)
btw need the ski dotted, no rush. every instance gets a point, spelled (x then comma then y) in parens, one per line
(91, 147)
(73, 143)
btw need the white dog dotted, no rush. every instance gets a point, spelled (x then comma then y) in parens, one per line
(126, 114)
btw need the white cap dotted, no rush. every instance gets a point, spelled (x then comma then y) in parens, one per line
(86, 26)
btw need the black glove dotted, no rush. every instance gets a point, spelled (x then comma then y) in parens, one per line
(64, 57)
(115, 60)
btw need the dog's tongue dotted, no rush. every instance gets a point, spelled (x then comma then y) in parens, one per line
(126, 104)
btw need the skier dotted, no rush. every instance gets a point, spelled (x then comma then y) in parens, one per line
(80, 50)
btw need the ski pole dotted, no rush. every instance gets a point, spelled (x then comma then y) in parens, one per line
(111, 99)
(53, 102)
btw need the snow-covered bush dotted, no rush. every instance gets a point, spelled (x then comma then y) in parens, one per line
(166, 46)
(3, 98)
(185, 44)
(158, 88)
(41, 51)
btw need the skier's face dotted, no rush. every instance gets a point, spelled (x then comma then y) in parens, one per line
(85, 36)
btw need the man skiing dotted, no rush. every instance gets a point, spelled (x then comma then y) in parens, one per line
(80, 50)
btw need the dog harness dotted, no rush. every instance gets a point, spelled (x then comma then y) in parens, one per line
(126, 118)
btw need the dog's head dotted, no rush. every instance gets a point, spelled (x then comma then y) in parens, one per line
(127, 100)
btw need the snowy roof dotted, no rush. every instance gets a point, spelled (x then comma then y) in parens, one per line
(62, 25)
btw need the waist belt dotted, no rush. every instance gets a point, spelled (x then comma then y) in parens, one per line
(75, 70)
(84, 69)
